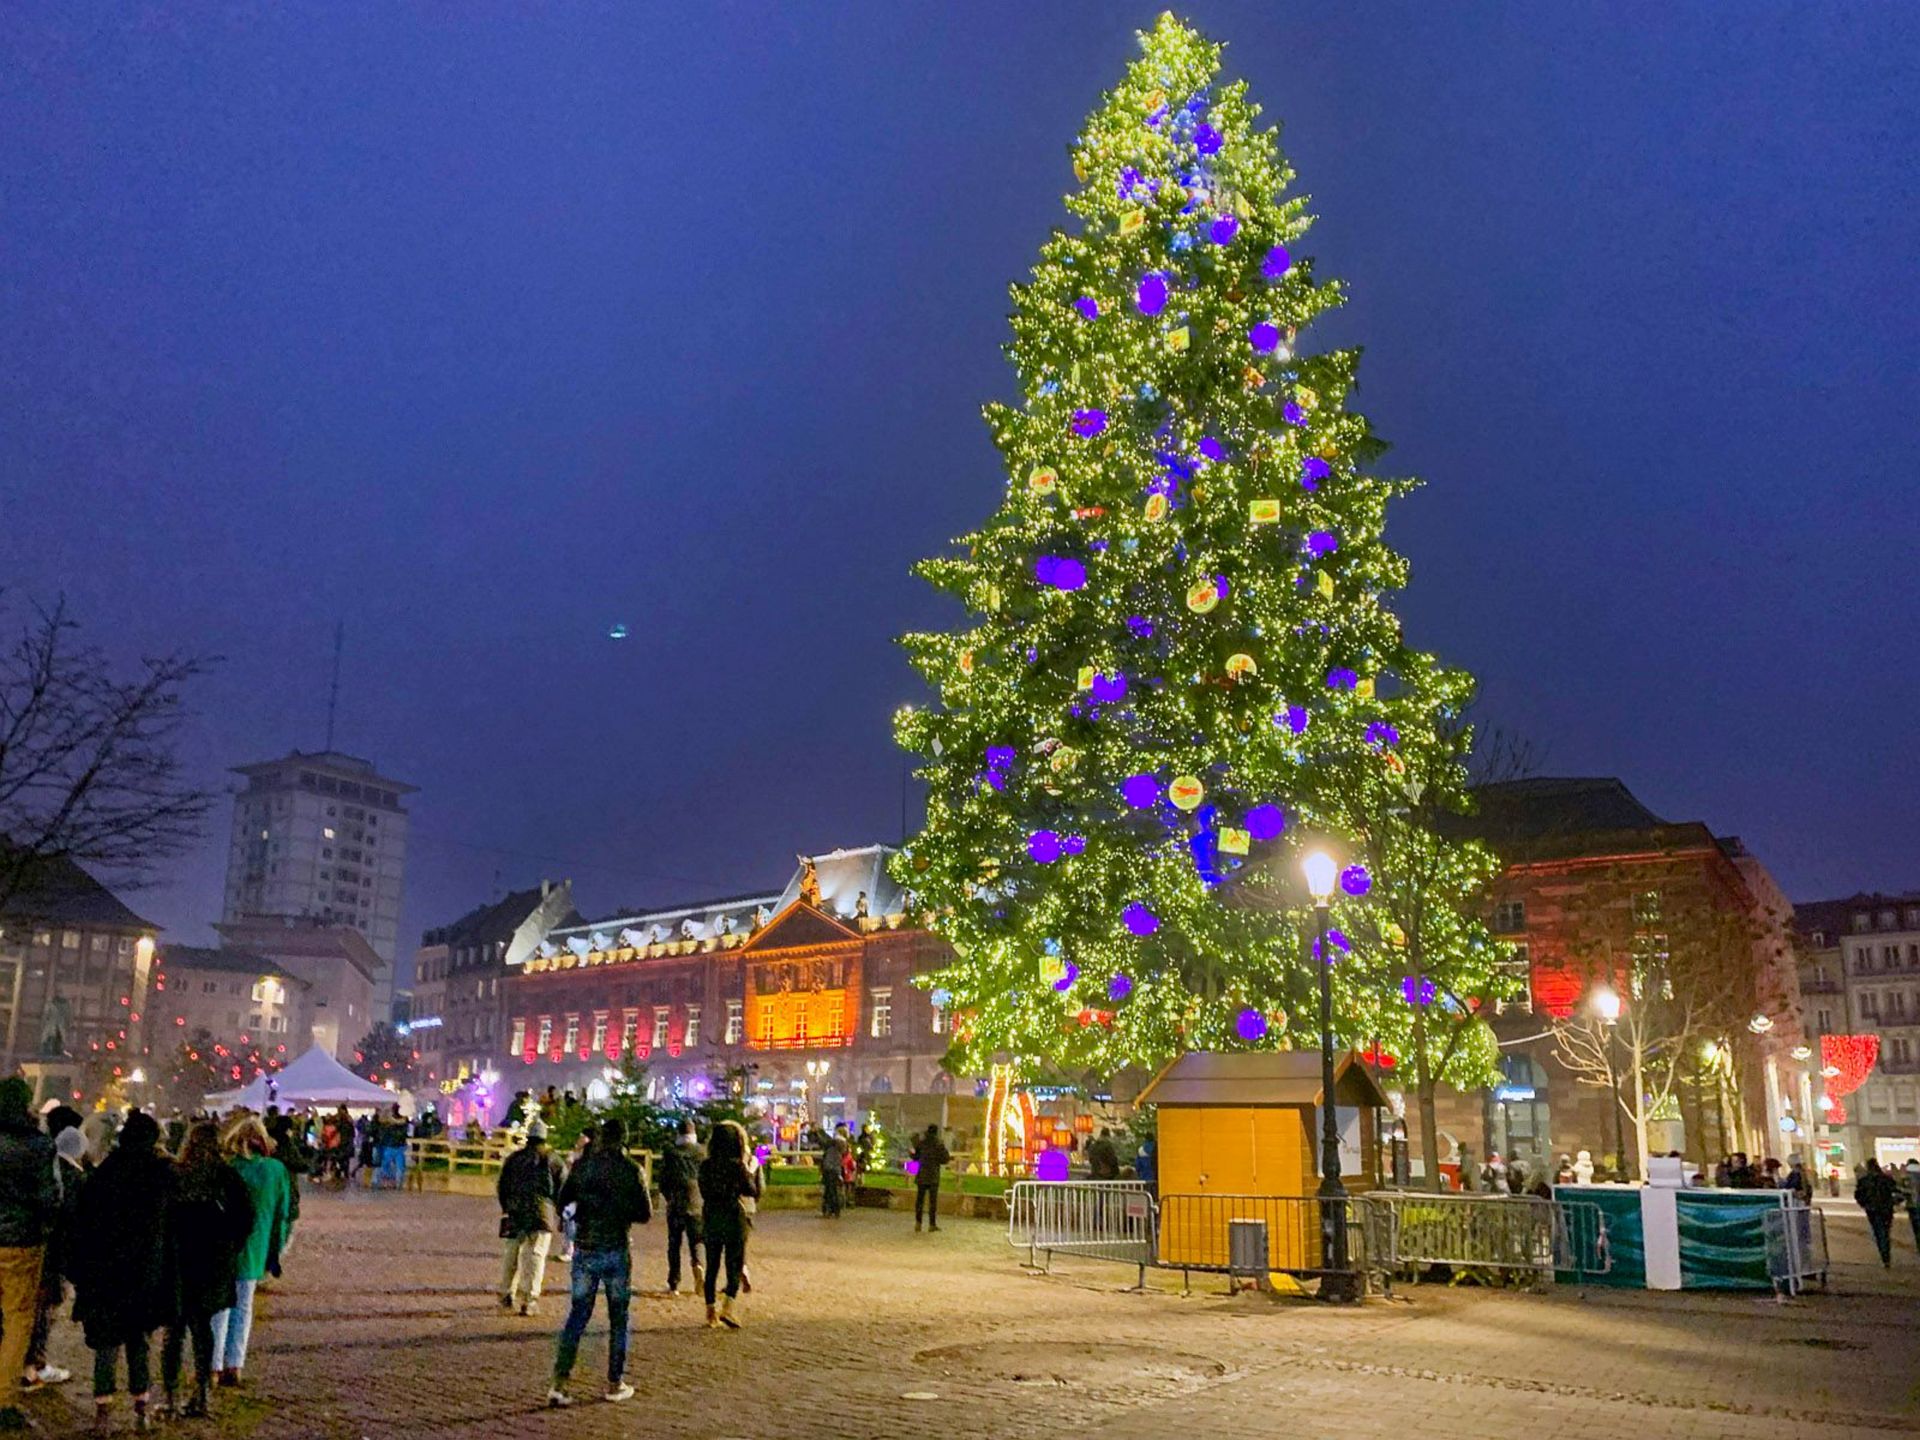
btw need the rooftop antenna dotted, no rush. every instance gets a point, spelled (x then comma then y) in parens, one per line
(333, 691)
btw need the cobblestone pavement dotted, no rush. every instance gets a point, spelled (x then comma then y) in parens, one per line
(387, 1325)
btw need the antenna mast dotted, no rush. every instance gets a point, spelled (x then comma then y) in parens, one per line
(333, 691)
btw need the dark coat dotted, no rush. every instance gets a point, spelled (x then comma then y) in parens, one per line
(29, 1198)
(931, 1151)
(1103, 1160)
(529, 1192)
(121, 1258)
(1874, 1193)
(212, 1218)
(677, 1176)
(725, 1186)
(608, 1196)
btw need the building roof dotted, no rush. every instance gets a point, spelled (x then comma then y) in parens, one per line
(1834, 918)
(1544, 806)
(704, 920)
(301, 936)
(1259, 1077)
(331, 762)
(491, 923)
(847, 875)
(225, 961)
(57, 891)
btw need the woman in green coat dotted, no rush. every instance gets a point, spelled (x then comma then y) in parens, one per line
(251, 1155)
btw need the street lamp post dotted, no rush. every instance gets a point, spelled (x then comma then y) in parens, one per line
(1336, 1284)
(1607, 1004)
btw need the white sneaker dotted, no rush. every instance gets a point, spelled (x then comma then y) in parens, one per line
(558, 1399)
(622, 1391)
(532, 1307)
(53, 1375)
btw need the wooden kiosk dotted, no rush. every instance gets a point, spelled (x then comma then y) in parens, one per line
(1239, 1138)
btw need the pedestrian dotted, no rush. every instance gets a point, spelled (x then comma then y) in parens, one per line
(390, 1149)
(121, 1263)
(864, 1146)
(1493, 1175)
(832, 1176)
(677, 1174)
(729, 1196)
(529, 1194)
(29, 1207)
(1516, 1178)
(1146, 1164)
(1910, 1182)
(1874, 1193)
(70, 1172)
(608, 1197)
(289, 1148)
(930, 1153)
(1103, 1160)
(1799, 1182)
(212, 1220)
(249, 1152)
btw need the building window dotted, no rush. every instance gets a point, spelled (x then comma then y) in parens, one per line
(939, 1019)
(1646, 908)
(519, 1036)
(693, 1025)
(629, 1031)
(572, 1040)
(546, 1033)
(882, 1023)
(736, 1020)
(766, 1022)
(1861, 920)
(800, 1018)
(209, 987)
(1890, 954)
(253, 1021)
(1509, 916)
(277, 1023)
(69, 939)
(662, 1015)
(599, 1031)
(1870, 1005)
(1823, 1021)
(125, 945)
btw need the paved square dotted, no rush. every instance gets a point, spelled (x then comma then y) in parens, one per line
(387, 1325)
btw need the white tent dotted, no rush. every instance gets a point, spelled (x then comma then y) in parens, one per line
(316, 1078)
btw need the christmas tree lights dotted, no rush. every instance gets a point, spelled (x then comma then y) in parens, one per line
(1177, 668)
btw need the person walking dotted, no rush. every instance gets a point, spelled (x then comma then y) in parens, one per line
(1103, 1159)
(1874, 1193)
(390, 1134)
(70, 1173)
(529, 1195)
(121, 1263)
(729, 1196)
(250, 1153)
(29, 1206)
(1910, 1182)
(1798, 1181)
(608, 1197)
(678, 1176)
(930, 1154)
(832, 1176)
(1146, 1164)
(212, 1220)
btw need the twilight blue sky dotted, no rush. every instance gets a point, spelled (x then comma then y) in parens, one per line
(483, 327)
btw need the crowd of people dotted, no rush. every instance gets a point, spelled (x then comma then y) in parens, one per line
(151, 1233)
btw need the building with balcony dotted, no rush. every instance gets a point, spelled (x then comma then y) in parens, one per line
(1860, 987)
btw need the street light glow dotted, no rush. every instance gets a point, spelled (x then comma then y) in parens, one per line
(1319, 868)
(1606, 1004)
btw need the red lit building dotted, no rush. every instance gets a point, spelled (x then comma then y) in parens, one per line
(807, 991)
(1592, 878)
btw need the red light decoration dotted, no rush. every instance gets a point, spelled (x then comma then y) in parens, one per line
(1378, 1058)
(1853, 1056)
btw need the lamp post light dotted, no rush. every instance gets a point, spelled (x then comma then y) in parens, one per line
(1336, 1284)
(1606, 1004)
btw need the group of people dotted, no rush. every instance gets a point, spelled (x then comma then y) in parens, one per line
(710, 1194)
(151, 1240)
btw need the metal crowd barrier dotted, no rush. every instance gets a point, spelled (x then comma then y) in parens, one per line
(1203, 1232)
(1796, 1239)
(1100, 1219)
(1483, 1232)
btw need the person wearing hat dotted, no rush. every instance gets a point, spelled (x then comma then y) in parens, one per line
(529, 1194)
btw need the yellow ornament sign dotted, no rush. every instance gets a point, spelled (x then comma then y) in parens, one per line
(1178, 340)
(1203, 597)
(966, 662)
(1232, 841)
(1323, 582)
(1241, 664)
(1043, 481)
(1156, 507)
(1263, 512)
(1132, 221)
(1186, 792)
(1085, 677)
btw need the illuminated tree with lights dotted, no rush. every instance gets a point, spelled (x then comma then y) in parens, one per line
(385, 1054)
(1177, 670)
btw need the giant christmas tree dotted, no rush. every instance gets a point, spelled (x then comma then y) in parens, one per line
(1177, 670)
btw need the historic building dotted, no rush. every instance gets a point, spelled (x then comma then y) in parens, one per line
(1592, 881)
(339, 965)
(805, 996)
(458, 1019)
(76, 969)
(245, 1001)
(1860, 983)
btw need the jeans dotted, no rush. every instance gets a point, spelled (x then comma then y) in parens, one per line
(233, 1328)
(19, 1301)
(831, 1202)
(523, 1267)
(393, 1166)
(929, 1196)
(1882, 1226)
(728, 1247)
(200, 1327)
(139, 1377)
(680, 1224)
(593, 1269)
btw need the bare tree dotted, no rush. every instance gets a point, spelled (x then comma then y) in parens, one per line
(89, 770)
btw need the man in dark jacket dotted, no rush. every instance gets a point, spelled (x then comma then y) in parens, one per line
(608, 1196)
(1874, 1193)
(929, 1154)
(678, 1175)
(1103, 1160)
(29, 1201)
(529, 1194)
